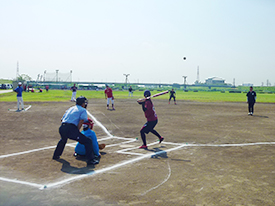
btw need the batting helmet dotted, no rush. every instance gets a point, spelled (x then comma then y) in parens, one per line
(147, 93)
(80, 100)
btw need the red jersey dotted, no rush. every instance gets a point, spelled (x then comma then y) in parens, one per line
(109, 92)
(150, 113)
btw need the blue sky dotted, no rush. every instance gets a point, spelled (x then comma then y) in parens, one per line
(102, 40)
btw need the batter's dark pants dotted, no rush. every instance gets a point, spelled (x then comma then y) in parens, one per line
(148, 127)
(251, 106)
(71, 131)
(173, 98)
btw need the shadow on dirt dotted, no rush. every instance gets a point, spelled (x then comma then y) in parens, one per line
(159, 153)
(260, 116)
(163, 154)
(67, 168)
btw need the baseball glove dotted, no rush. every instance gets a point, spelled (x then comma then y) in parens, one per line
(101, 146)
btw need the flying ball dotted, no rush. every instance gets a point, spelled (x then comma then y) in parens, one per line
(184, 58)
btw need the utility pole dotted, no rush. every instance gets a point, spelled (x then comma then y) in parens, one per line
(126, 79)
(56, 75)
(184, 82)
(198, 75)
(44, 76)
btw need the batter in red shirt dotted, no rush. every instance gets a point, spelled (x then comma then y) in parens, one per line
(109, 96)
(152, 119)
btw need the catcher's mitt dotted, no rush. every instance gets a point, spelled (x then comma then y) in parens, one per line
(101, 146)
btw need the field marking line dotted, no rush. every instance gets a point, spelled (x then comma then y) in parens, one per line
(165, 180)
(126, 142)
(28, 108)
(13, 110)
(109, 120)
(26, 152)
(231, 145)
(99, 124)
(111, 145)
(131, 153)
(68, 180)
(21, 182)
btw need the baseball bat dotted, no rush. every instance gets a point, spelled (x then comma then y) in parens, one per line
(152, 96)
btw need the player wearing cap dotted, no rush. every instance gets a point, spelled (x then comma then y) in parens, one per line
(109, 96)
(72, 121)
(152, 119)
(88, 132)
(251, 99)
(73, 88)
(19, 91)
(172, 95)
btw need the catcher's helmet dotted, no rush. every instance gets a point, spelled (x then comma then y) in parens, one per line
(88, 123)
(80, 100)
(147, 93)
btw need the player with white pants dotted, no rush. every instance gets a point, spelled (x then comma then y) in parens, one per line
(19, 91)
(109, 96)
(73, 88)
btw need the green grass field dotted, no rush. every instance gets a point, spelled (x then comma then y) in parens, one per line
(65, 95)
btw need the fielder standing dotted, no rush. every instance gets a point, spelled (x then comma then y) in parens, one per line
(72, 121)
(172, 95)
(251, 99)
(19, 91)
(130, 91)
(73, 88)
(109, 96)
(152, 119)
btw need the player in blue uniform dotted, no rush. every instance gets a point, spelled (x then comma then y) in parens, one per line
(19, 91)
(72, 121)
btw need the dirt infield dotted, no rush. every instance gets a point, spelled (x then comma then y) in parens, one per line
(213, 154)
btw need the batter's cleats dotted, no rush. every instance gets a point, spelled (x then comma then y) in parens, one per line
(161, 139)
(143, 147)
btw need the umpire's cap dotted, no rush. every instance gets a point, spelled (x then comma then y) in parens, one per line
(80, 100)
(147, 93)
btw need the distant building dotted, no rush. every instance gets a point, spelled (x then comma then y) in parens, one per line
(214, 80)
(247, 85)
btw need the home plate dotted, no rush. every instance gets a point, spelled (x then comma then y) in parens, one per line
(126, 145)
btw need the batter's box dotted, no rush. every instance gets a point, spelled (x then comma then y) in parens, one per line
(154, 148)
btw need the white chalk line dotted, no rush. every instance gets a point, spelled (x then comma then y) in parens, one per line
(21, 182)
(13, 110)
(26, 152)
(165, 180)
(99, 124)
(66, 181)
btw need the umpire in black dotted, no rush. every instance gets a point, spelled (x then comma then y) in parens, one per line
(72, 121)
(251, 99)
